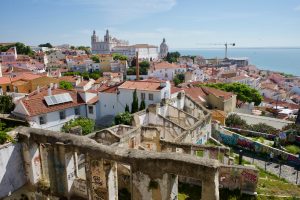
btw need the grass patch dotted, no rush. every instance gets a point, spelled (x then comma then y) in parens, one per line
(188, 192)
(293, 149)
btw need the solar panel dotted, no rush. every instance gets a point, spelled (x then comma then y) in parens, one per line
(58, 99)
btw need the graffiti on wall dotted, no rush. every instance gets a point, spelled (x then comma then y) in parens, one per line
(237, 140)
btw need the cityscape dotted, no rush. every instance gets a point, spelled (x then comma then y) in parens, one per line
(120, 112)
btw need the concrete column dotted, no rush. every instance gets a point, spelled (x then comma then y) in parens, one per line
(145, 188)
(210, 186)
(32, 162)
(64, 168)
(102, 179)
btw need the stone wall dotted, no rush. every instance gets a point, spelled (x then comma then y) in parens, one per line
(12, 175)
(236, 140)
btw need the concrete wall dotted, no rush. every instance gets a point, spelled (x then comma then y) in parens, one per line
(253, 119)
(12, 175)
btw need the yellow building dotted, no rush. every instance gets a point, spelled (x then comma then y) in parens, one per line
(219, 116)
(25, 83)
(105, 60)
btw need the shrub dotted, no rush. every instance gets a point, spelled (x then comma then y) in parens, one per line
(123, 118)
(86, 124)
(293, 149)
(236, 121)
(4, 137)
(65, 85)
(263, 128)
(6, 104)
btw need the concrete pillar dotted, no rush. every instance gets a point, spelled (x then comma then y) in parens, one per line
(210, 186)
(64, 168)
(32, 162)
(145, 188)
(102, 179)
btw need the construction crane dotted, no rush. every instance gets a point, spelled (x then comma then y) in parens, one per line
(226, 46)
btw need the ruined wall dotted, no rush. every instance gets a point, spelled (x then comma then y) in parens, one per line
(12, 175)
(241, 178)
(237, 140)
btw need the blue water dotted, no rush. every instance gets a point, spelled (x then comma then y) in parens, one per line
(285, 60)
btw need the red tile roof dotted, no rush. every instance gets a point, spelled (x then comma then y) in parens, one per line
(36, 105)
(141, 85)
(166, 65)
(217, 93)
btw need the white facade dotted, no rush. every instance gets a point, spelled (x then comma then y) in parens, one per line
(114, 103)
(166, 73)
(53, 121)
(146, 52)
(194, 75)
(105, 46)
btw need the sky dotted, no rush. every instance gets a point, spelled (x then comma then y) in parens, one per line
(184, 23)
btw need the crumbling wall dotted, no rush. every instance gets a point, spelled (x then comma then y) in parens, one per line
(12, 174)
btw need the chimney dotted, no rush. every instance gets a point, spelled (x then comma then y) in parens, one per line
(51, 85)
(55, 85)
(49, 91)
(137, 66)
(38, 89)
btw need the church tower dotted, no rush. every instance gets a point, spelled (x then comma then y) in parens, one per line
(94, 40)
(164, 49)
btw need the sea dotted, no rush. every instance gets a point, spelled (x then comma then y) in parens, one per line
(285, 60)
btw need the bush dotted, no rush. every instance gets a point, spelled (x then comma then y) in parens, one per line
(6, 104)
(293, 149)
(65, 85)
(4, 137)
(263, 128)
(233, 120)
(123, 118)
(86, 124)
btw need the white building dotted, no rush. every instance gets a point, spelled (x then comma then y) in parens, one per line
(146, 51)
(165, 70)
(245, 79)
(105, 46)
(51, 108)
(114, 100)
(194, 74)
(10, 55)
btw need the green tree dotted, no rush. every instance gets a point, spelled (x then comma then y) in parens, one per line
(144, 64)
(263, 128)
(21, 48)
(65, 85)
(142, 105)
(124, 118)
(135, 103)
(172, 57)
(6, 104)
(117, 56)
(46, 45)
(86, 49)
(233, 120)
(244, 92)
(95, 58)
(86, 124)
(127, 108)
(176, 81)
(179, 78)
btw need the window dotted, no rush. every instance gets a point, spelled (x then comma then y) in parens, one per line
(91, 110)
(62, 115)
(143, 96)
(151, 97)
(7, 88)
(42, 120)
(77, 111)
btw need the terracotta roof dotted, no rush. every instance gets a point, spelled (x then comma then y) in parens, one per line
(82, 83)
(112, 89)
(141, 85)
(238, 78)
(217, 93)
(281, 103)
(36, 105)
(5, 80)
(93, 100)
(196, 93)
(165, 65)
(175, 89)
(71, 79)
